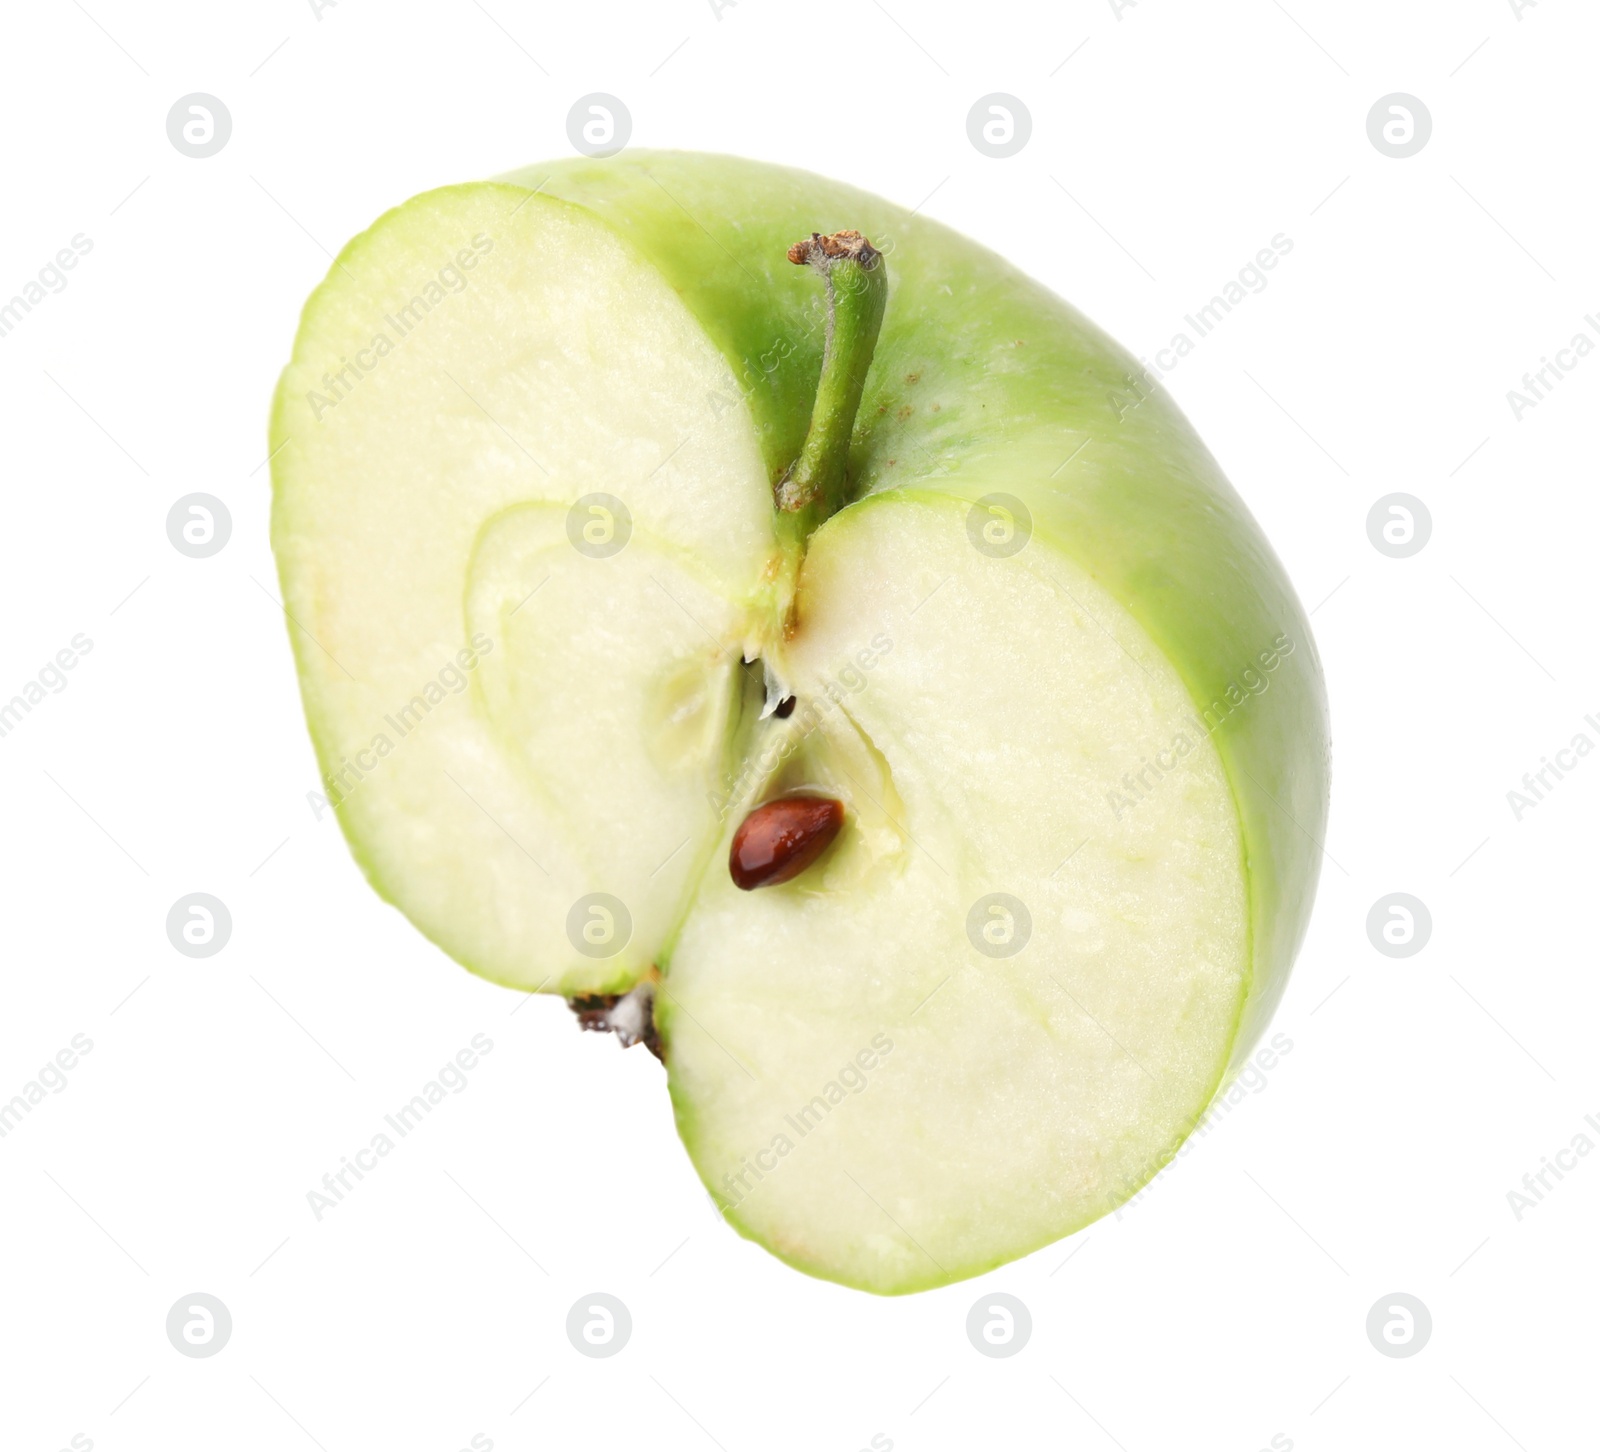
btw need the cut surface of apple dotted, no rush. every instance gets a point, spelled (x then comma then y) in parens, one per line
(878, 1088)
(526, 460)
(576, 752)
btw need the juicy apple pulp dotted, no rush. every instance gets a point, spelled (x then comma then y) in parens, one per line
(1078, 731)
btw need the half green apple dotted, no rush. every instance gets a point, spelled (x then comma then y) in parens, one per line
(561, 628)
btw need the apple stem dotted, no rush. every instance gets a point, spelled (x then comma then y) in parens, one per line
(857, 280)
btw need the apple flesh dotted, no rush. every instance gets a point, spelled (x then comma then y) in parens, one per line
(1080, 744)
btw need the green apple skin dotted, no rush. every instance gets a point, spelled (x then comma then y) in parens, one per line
(1024, 384)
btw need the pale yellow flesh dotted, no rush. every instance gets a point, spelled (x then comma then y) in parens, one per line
(1021, 1096)
(972, 713)
(429, 505)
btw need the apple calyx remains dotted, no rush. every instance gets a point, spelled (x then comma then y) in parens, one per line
(630, 1016)
(857, 280)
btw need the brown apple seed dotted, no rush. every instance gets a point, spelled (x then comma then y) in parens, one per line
(782, 838)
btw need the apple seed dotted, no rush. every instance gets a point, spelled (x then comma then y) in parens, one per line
(782, 838)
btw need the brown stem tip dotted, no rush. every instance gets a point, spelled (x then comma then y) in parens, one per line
(782, 838)
(822, 250)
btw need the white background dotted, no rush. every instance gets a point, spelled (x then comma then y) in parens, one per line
(1228, 1306)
